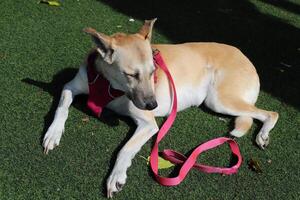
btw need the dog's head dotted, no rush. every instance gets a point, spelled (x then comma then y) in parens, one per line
(128, 63)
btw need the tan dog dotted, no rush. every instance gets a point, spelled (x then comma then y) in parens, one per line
(216, 74)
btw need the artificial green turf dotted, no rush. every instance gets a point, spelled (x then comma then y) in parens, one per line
(41, 47)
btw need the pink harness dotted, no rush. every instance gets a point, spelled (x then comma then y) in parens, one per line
(100, 92)
(101, 95)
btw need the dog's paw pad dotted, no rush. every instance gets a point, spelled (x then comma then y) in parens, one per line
(119, 186)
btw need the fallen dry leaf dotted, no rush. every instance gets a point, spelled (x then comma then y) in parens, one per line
(2, 55)
(254, 165)
(162, 163)
(85, 119)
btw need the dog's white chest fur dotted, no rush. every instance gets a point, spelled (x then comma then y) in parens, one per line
(187, 95)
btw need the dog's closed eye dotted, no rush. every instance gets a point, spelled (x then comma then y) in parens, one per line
(135, 75)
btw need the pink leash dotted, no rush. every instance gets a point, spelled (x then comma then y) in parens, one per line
(177, 158)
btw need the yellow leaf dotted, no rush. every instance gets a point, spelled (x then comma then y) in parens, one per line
(53, 3)
(50, 3)
(162, 163)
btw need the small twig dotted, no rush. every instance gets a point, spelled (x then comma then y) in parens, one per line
(143, 157)
(286, 65)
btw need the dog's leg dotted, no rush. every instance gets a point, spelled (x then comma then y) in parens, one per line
(146, 128)
(235, 107)
(234, 91)
(78, 85)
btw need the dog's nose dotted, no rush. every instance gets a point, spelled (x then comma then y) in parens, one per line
(150, 105)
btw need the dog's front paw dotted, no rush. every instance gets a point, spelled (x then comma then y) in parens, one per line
(52, 137)
(115, 182)
(262, 140)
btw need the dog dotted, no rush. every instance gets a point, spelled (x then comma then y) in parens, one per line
(219, 75)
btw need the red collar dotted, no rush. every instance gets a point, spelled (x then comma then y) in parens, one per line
(100, 90)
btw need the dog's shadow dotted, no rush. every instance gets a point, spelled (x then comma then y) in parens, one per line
(54, 88)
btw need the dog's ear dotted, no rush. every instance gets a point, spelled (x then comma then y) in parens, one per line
(146, 30)
(103, 43)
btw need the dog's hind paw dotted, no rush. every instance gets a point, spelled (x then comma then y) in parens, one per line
(115, 183)
(52, 138)
(262, 140)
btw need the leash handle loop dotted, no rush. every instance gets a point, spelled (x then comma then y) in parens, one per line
(177, 158)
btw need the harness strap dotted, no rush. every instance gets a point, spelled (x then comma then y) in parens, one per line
(100, 90)
(177, 158)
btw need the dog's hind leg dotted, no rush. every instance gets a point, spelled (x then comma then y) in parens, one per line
(244, 111)
(146, 128)
(234, 91)
(78, 85)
